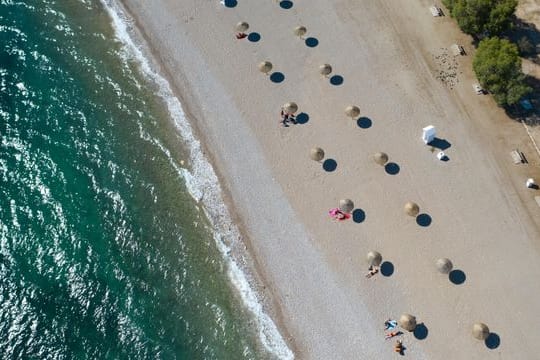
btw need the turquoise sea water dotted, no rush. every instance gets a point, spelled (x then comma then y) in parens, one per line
(103, 252)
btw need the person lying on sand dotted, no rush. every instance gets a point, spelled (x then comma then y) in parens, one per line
(338, 215)
(241, 36)
(392, 334)
(372, 271)
(390, 324)
(286, 118)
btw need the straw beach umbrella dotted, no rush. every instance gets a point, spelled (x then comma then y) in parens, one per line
(242, 26)
(316, 154)
(325, 69)
(265, 67)
(444, 265)
(290, 107)
(407, 322)
(352, 111)
(374, 258)
(300, 31)
(346, 205)
(380, 158)
(411, 209)
(480, 331)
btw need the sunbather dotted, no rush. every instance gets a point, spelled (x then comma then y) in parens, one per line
(338, 215)
(372, 271)
(390, 324)
(392, 334)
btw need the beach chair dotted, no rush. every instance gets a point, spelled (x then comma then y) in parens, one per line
(478, 89)
(457, 50)
(435, 10)
(517, 157)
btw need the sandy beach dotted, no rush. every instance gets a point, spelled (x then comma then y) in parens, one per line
(475, 208)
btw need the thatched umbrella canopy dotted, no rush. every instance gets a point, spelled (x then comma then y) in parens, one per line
(480, 331)
(374, 258)
(242, 26)
(325, 69)
(300, 31)
(411, 209)
(316, 154)
(444, 265)
(407, 322)
(290, 107)
(346, 205)
(352, 111)
(265, 67)
(380, 158)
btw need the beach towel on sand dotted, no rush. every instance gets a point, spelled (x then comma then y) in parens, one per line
(334, 212)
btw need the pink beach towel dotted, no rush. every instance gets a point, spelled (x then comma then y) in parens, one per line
(334, 214)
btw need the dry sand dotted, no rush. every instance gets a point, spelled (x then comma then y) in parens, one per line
(482, 218)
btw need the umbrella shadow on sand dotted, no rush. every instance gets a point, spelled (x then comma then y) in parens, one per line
(329, 165)
(358, 216)
(286, 4)
(387, 269)
(312, 42)
(392, 168)
(421, 331)
(254, 36)
(230, 3)
(424, 220)
(336, 80)
(277, 77)
(302, 118)
(492, 341)
(364, 122)
(457, 277)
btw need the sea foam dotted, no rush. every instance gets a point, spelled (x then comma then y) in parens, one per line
(202, 183)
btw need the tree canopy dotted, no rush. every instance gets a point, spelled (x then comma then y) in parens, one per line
(476, 17)
(498, 67)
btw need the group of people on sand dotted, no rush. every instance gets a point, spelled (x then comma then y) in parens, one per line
(391, 327)
(372, 270)
(287, 118)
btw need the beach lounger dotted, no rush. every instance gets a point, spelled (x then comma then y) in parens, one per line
(435, 11)
(457, 50)
(517, 157)
(478, 89)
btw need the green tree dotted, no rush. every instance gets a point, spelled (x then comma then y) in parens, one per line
(449, 4)
(498, 67)
(476, 17)
(500, 17)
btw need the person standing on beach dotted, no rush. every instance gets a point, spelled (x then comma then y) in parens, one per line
(398, 347)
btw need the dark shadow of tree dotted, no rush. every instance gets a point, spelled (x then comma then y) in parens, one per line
(525, 31)
(529, 117)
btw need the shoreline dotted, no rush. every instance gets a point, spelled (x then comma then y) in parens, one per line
(333, 270)
(231, 249)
